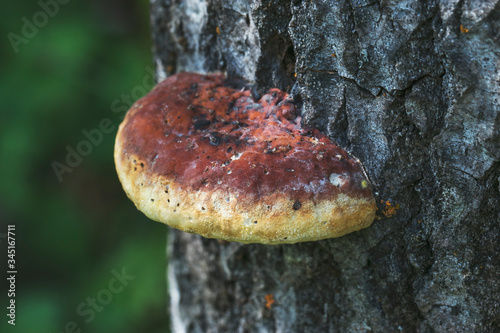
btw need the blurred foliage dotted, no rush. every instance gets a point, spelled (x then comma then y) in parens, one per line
(72, 234)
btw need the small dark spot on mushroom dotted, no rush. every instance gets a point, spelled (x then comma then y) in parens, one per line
(152, 200)
(201, 124)
(297, 205)
(254, 222)
(266, 171)
(178, 204)
(142, 184)
(268, 207)
(208, 157)
(215, 139)
(135, 168)
(229, 149)
(142, 165)
(175, 210)
(135, 161)
(202, 208)
(168, 200)
(285, 238)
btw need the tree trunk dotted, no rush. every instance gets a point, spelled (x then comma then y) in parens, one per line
(409, 87)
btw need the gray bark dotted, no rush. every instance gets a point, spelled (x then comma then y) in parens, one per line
(409, 87)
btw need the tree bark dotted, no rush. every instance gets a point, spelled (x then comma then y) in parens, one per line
(409, 87)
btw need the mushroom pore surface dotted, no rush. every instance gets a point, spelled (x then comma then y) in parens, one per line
(200, 154)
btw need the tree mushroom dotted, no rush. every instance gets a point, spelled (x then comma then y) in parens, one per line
(201, 155)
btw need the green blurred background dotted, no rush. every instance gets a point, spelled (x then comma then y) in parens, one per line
(73, 71)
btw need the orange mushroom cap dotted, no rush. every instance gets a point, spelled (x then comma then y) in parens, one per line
(200, 154)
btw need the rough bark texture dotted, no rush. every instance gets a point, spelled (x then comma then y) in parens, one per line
(409, 87)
